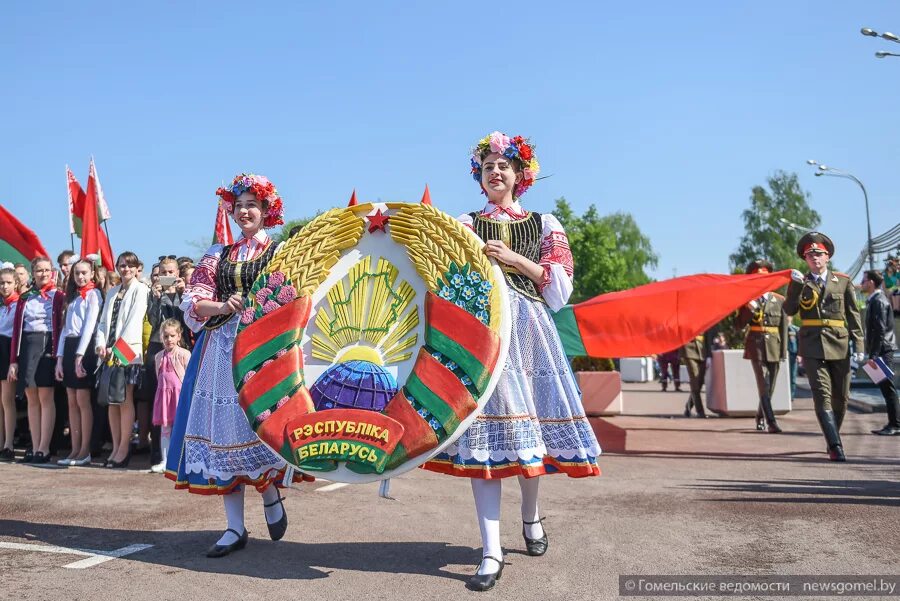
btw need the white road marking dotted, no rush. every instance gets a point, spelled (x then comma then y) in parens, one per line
(93, 557)
(332, 487)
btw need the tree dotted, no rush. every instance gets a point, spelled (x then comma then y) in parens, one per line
(610, 252)
(765, 236)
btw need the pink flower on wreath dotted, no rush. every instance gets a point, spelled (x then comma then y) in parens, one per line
(263, 295)
(263, 416)
(270, 306)
(247, 315)
(249, 375)
(282, 402)
(276, 279)
(266, 362)
(499, 142)
(281, 353)
(286, 295)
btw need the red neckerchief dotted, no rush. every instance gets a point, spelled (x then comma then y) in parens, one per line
(508, 210)
(51, 285)
(10, 299)
(86, 288)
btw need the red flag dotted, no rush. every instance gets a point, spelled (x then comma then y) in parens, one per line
(222, 231)
(18, 244)
(93, 239)
(657, 317)
(76, 202)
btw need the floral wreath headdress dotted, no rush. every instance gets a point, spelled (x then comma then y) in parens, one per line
(262, 188)
(517, 148)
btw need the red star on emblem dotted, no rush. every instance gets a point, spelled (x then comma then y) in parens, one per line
(377, 221)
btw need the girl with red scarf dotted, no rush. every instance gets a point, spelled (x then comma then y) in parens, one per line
(36, 328)
(76, 358)
(9, 297)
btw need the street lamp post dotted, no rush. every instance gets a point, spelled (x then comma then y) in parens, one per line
(826, 170)
(887, 35)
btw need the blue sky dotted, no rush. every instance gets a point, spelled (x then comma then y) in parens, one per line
(669, 111)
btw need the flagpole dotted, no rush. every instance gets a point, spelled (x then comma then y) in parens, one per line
(105, 227)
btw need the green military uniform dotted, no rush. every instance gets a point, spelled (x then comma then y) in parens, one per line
(766, 347)
(693, 355)
(829, 321)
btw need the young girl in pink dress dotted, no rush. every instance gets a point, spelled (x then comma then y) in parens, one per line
(170, 365)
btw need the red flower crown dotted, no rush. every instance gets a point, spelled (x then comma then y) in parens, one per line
(262, 189)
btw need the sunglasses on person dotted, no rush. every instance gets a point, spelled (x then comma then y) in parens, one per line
(161, 257)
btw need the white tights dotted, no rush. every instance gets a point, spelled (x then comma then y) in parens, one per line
(234, 512)
(487, 508)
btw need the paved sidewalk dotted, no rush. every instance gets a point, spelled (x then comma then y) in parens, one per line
(683, 496)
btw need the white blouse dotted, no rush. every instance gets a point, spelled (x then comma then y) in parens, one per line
(203, 283)
(556, 257)
(7, 316)
(38, 315)
(81, 320)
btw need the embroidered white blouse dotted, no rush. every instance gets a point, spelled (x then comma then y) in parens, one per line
(556, 256)
(203, 282)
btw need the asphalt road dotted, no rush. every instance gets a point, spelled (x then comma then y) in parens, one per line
(686, 496)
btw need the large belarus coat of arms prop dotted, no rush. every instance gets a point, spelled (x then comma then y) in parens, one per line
(371, 341)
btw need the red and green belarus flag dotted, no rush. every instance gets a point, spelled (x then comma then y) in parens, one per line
(121, 350)
(18, 244)
(657, 317)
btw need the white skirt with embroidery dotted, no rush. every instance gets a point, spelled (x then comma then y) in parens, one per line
(218, 440)
(534, 422)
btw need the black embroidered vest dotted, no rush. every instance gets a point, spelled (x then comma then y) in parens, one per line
(522, 236)
(236, 277)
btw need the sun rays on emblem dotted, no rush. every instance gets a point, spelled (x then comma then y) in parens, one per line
(368, 316)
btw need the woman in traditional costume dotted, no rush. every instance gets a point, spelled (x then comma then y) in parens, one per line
(214, 451)
(534, 422)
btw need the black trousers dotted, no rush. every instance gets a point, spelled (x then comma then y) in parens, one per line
(889, 392)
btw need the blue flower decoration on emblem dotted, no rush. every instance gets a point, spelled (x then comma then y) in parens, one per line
(468, 293)
(483, 316)
(474, 277)
(485, 287)
(447, 293)
(481, 302)
(457, 280)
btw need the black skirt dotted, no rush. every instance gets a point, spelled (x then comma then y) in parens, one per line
(36, 362)
(5, 344)
(89, 362)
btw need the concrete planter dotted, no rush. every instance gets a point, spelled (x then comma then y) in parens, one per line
(601, 392)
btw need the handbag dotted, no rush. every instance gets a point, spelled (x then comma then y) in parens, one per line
(111, 385)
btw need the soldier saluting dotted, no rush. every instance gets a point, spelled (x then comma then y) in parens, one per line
(765, 345)
(829, 319)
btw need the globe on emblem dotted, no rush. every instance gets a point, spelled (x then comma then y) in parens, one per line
(355, 384)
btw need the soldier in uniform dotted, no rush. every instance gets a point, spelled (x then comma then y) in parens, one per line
(765, 344)
(669, 361)
(829, 320)
(694, 355)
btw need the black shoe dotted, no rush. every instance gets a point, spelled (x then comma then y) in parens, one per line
(887, 431)
(28, 457)
(483, 582)
(665, 387)
(223, 550)
(677, 387)
(535, 546)
(773, 428)
(277, 530)
(687, 408)
(836, 453)
(7, 455)
(40, 458)
(120, 464)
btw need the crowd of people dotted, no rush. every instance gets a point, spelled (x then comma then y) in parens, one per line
(58, 328)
